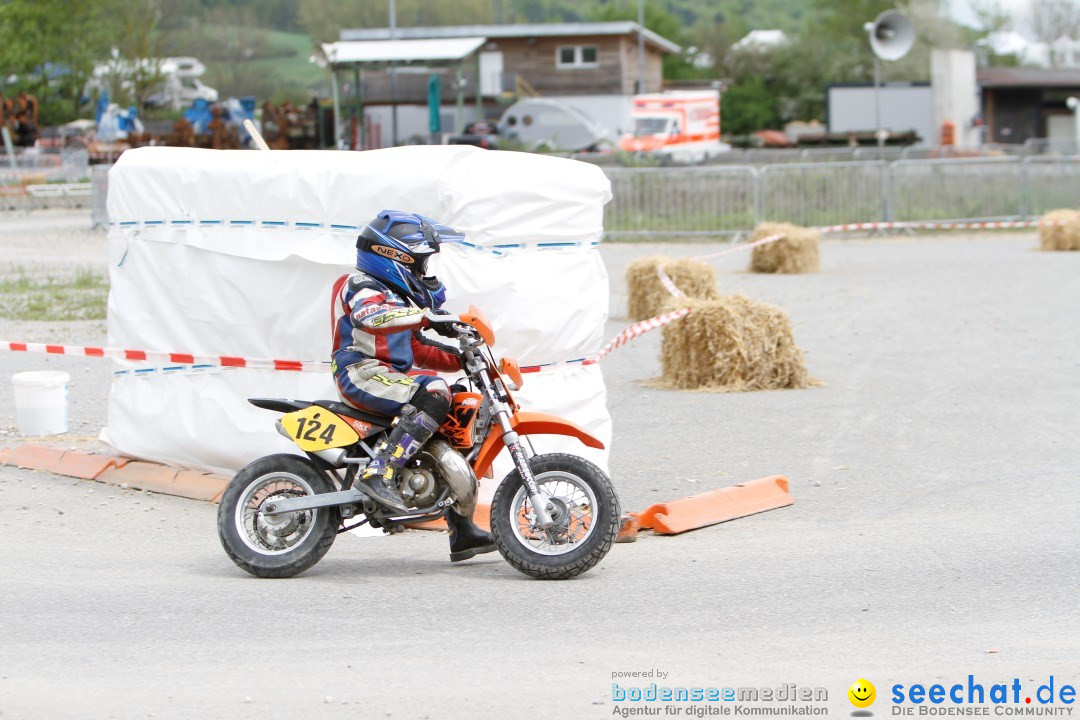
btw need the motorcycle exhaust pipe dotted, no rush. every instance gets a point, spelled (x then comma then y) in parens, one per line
(334, 456)
(458, 475)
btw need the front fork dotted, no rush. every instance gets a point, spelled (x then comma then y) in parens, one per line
(541, 505)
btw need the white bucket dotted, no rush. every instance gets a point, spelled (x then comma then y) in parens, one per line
(41, 402)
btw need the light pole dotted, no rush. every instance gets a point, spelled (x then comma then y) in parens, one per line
(891, 38)
(1073, 103)
(641, 46)
(393, 77)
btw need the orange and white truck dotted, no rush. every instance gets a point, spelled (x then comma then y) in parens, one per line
(682, 125)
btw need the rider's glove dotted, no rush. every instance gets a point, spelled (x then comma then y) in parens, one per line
(442, 324)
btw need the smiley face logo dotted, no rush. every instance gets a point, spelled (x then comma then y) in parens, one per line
(862, 693)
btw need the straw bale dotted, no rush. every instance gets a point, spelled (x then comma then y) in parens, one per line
(796, 252)
(647, 294)
(731, 344)
(1060, 230)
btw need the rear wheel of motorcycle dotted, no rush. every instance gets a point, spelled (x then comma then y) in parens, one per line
(276, 547)
(586, 511)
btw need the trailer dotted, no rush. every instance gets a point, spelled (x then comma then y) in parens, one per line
(680, 125)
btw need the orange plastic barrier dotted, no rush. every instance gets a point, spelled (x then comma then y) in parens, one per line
(717, 506)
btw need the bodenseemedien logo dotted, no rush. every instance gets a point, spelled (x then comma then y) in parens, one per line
(787, 700)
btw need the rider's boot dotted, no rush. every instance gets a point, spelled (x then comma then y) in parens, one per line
(410, 431)
(466, 540)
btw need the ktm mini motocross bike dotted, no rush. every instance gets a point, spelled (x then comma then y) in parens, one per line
(553, 517)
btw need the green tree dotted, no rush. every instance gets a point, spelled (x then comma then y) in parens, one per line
(538, 11)
(323, 20)
(137, 43)
(747, 106)
(657, 19)
(51, 46)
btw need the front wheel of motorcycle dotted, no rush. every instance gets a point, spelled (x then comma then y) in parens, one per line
(285, 545)
(583, 504)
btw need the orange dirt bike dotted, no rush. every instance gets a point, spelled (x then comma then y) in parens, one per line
(553, 517)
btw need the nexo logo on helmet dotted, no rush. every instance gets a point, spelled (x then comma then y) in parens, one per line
(389, 252)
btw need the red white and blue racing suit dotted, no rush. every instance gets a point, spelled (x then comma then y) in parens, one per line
(375, 347)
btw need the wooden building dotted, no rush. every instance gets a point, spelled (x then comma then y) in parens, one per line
(1022, 103)
(550, 59)
(592, 66)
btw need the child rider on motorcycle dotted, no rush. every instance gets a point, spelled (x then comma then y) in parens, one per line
(378, 311)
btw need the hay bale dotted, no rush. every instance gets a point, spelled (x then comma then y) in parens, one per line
(796, 252)
(1060, 230)
(647, 294)
(731, 344)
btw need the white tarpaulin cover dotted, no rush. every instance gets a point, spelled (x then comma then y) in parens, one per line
(235, 253)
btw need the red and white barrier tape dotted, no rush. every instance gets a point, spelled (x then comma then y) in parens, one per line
(672, 288)
(856, 227)
(742, 247)
(906, 225)
(667, 282)
(166, 357)
(637, 330)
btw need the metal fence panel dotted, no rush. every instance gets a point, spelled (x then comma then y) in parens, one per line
(1051, 183)
(1048, 146)
(813, 194)
(680, 201)
(961, 189)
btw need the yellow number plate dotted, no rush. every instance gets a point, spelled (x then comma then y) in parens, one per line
(315, 428)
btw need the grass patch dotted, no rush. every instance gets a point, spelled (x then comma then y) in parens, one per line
(294, 68)
(51, 299)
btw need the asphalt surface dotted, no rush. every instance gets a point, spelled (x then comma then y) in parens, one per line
(934, 533)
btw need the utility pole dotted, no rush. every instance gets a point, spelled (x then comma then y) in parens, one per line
(393, 78)
(641, 47)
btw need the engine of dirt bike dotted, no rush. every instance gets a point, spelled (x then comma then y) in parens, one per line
(438, 466)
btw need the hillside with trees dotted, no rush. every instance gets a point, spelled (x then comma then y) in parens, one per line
(261, 47)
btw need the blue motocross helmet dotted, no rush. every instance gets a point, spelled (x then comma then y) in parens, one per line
(395, 249)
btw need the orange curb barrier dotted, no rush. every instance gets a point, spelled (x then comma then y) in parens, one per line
(199, 485)
(717, 506)
(167, 480)
(117, 471)
(143, 476)
(86, 466)
(72, 463)
(34, 457)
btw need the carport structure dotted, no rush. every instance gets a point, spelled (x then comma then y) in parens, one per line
(355, 56)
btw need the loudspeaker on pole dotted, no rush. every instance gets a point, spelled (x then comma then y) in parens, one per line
(891, 35)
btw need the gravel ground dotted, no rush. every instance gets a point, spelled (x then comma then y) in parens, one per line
(50, 242)
(54, 244)
(934, 532)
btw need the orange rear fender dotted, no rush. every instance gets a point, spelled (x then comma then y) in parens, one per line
(527, 423)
